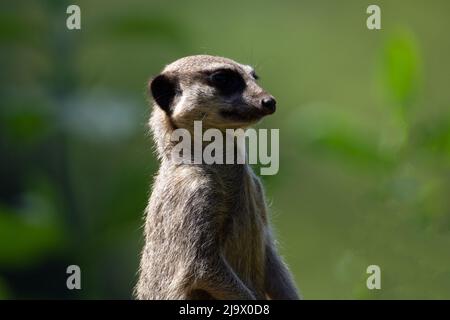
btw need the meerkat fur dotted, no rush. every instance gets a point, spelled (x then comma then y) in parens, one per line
(207, 233)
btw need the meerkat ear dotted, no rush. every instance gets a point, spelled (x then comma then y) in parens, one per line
(164, 89)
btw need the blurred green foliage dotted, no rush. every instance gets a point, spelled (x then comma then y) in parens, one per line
(364, 124)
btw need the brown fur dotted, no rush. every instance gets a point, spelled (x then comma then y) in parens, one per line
(207, 234)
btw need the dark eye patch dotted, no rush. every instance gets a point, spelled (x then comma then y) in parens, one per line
(227, 81)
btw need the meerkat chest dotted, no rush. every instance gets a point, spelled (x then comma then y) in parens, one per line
(246, 205)
(244, 229)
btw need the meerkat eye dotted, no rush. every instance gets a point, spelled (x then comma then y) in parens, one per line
(254, 75)
(227, 81)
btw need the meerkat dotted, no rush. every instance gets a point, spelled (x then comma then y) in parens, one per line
(207, 233)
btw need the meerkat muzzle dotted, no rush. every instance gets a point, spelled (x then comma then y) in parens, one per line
(268, 105)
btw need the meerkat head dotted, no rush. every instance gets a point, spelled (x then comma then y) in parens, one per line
(218, 91)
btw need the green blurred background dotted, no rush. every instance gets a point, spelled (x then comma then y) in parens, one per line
(364, 120)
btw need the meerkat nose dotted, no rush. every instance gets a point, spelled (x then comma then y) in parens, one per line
(269, 104)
